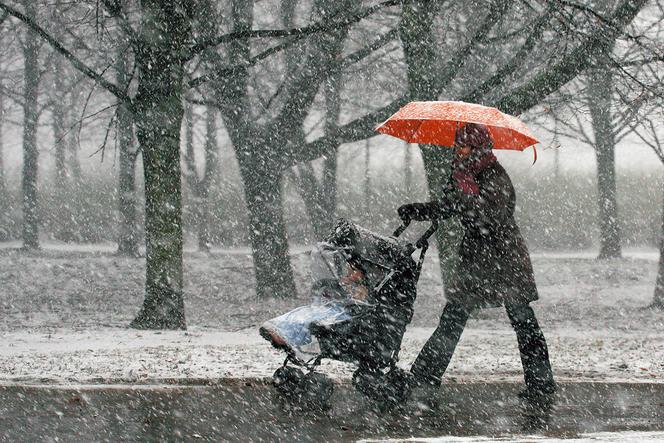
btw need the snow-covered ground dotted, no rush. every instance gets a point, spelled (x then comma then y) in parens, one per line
(64, 311)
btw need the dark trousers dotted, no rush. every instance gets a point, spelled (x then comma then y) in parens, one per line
(431, 363)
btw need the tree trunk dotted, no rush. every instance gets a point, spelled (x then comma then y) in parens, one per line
(4, 200)
(59, 131)
(419, 48)
(267, 228)
(211, 159)
(3, 188)
(332, 89)
(59, 110)
(159, 136)
(72, 140)
(367, 174)
(63, 216)
(158, 113)
(320, 198)
(310, 190)
(658, 298)
(30, 152)
(600, 98)
(127, 204)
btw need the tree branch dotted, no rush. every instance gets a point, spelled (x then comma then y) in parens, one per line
(528, 95)
(296, 33)
(78, 64)
(518, 60)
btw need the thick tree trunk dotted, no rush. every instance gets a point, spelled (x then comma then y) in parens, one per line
(30, 152)
(419, 48)
(261, 167)
(159, 136)
(600, 98)
(332, 89)
(3, 188)
(4, 203)
(305, 178)
(158, 113)
(269, 242)
(127, 204)
(658, 298)
(320, 197)
(367, 174)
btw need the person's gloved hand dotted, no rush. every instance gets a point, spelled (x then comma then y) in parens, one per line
(414, 211)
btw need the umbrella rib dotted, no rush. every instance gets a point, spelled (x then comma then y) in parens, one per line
(421, 122)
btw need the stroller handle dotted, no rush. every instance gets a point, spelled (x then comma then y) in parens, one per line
(428, 233)
(422, 243)
(423, 240)
(401, 228)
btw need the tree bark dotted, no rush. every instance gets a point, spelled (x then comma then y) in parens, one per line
(600, 98)
(320, 197)
(158, 112)
(65, 218)
(269, 242)
(72, 140)
(211, 162)
(416, 31)
(658, 298)
(310, 190)
(30, 152)
(59, 111)
(367, 174)
(59, 130)
(127, 154)
(332, 89)
(4, 200)
(261, 168)
(3, 188)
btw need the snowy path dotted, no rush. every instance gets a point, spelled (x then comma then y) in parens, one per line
(128, 356)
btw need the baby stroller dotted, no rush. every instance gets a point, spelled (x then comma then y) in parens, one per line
(363, 293)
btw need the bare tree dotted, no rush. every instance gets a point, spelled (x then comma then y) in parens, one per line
(264, 140)
(128, 240)
(30, 121)
(600, 100)
(200, 183)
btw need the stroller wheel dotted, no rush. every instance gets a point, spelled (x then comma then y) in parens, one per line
(317, 390)
(288, 380)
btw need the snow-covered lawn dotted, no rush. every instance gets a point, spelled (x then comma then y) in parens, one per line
(64, 311)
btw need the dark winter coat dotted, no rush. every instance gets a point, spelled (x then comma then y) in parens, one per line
(495, 267)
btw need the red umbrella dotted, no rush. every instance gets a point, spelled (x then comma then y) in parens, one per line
(436, 123)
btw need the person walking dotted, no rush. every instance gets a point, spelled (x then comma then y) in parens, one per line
(494, 269)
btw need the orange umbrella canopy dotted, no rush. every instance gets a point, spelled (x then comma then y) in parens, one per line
(436, 122)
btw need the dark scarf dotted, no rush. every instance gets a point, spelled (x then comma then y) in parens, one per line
(464, 173)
